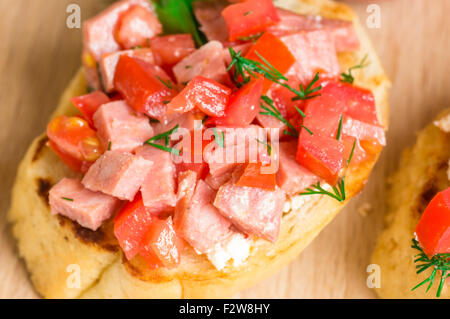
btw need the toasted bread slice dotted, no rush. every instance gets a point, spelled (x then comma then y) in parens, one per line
(52, 245)
(422, 174)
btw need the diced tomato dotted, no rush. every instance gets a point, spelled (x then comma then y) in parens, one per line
(201, 169)
(433, 230)
(136, 27)
(359, 103)
(161, 245)
(207, 95)
(274, 51)
(323, 114)
(131, 224)
(168, 50)
(145, 87)
(74, 141)
(242, 107)
(88, 104)
(252, 177)
(249, 18)
(321, 155)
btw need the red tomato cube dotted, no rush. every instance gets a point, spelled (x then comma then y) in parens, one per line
(130, 226)
(145, 87)
(253, 177)
(433, 230)
(161, 245)
(249, 18)
(274, 51)
(321, 155)
(207, 95)
(242, 107)
(74, 142)
(89, 104)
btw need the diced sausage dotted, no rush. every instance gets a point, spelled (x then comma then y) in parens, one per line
(199, 222)
(209, 15)
(343, 32)
(98, 32)
(121, 128)
(89, 209)
(158, 189)
(314, 52)
(252, 210)
(291, 176)
(117, 174)
(208, 61)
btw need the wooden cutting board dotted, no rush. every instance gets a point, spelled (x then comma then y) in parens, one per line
(39, 55)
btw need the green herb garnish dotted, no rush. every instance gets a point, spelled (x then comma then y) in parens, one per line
(317, 189)
(339, 131)
(245, 69)
(67, 199)
(252, 38)
(220, 139)
(177, 16)
(271, 110)
(348, 77)
(308, 92)
(268, 146)
(440, 263)
(109, 145)
(168, 84)
(166, 137)
(352, 152)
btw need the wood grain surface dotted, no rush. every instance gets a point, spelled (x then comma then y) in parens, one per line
(39, 55)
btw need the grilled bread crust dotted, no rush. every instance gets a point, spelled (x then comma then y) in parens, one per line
(422, 174)
(55, 248)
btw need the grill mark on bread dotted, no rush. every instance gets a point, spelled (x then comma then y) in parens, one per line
(98, 238)
(44, 184)
(40, 146)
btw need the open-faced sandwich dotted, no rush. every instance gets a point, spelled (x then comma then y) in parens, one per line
(203, 146)
(414, 250)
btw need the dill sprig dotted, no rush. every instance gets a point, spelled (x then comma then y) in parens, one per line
(348, 77)
(271, 110)
(352, 152)
(243, 66)
(339, 131)
(168, 84)
(440, 263)
(268, 146)
(338, 191)
(308, 92)
(166, 137)
(252, 38)
(220, 139)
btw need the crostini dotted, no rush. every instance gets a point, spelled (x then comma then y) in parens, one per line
(130, 182)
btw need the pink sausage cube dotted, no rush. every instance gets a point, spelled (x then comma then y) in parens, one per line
(252, 210)
(208, 61)
(158, 189)
(120, 128)
(117, 174)
(89, 209)
(199, 222)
